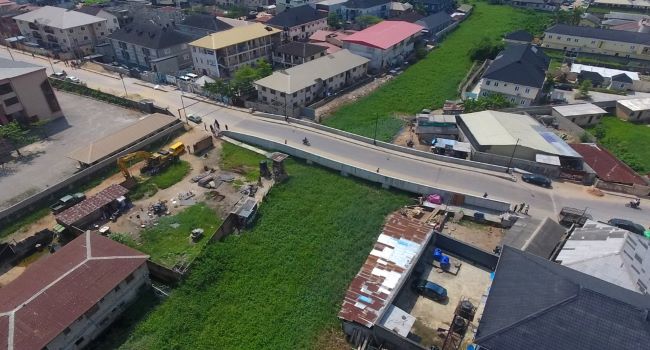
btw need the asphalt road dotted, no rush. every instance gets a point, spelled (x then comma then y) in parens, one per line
(543, 202)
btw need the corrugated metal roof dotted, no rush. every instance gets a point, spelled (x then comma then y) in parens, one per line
(604, 72)
(234, 36)
(10, 68)
(579, 109)
(57, 17)
(606, 165)
(52, 293)
(88, 206)
(636, 104)
(385, 34)
(387, 265)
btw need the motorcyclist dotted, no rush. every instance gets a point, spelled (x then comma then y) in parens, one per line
(637, 202)
(305, 141)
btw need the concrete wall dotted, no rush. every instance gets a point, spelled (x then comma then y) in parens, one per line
(636, 190)
(533, 167)
(466, 251)
(163, 274)
(369, 175)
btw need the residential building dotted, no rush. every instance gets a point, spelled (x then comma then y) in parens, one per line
(642, 5)
(609, 253)
(333, 41)
(160, 49)
(594, 78)
(518, 73)
(542, 5)
(66, 33)
(357, 8)
(25, 93)
(385, 44)
(199, 25)
(606, 77)
(331, 6)
(429, 127)
(65, 300)
(598, 41)
(518, 37)
(408, 16)
(307, 83)
(536, 304)
(634, 110)
(294, 53)
(583, 114)
(433, 6)
(8, 27)
(397, 8)
(112, 22)
(282, 5)
(299, 23)
(435, 23)
(607, 167)
(621, 81)
(220, 54)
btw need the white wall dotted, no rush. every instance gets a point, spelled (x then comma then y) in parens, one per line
(379, 58)
(604, 47)
(205, 60)
(520, 95)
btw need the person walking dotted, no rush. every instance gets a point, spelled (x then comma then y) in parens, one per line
(526, 209)
(226, 127)
(485, 195)
(521, 207)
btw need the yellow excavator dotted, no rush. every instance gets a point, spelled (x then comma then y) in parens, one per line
(155, 162)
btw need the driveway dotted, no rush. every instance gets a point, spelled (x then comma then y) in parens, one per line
(45, 162)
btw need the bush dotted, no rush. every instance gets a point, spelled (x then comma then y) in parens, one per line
(486, 49)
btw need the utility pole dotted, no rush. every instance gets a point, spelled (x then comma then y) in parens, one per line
(124, 85)
(183, 104)
(51, 65)
(512, 156)
(374, 139)
(10, 54)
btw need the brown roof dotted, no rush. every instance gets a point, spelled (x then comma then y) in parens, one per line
(383, 272)
(122, 139)
(88, 206)
(56, 290)
(606, 165)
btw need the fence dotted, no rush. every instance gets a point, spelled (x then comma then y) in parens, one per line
(527, 165)
(163, 274)
(472, 77)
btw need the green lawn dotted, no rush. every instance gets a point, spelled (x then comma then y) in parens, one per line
(434, 79)
(165, 179)
(168, 242)
(241, 161)
(279, 285)
(629, 142)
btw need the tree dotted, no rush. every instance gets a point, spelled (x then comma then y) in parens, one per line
(485, 49)
(549, 83)
(571, 17)
(264, 69)
(334, 20)
(241, 85)
(492, 101)
(585, 86)
(16, 136)
(368, 20)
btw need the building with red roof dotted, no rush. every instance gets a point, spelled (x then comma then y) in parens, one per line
(607, 167)
(65, 300)
(386, 44)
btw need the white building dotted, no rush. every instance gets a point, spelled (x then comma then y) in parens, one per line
(65, 32)
(583, 114)
(634, 110)
(112, 22)
(299, 23)
(385, 44)
(609, 253)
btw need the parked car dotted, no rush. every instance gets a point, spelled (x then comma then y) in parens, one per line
(195, 118)
(627, 225)
(536, 179)
(59, 75)
(66, 202)
(430, 290)
(73, 79)
(565, 87)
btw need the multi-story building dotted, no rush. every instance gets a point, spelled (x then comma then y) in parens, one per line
(299, 23)
(220, 54)
(294, 53)
(357, 8)
(518, 73)
(65, 300)
(112, 23)
(25, 93)
(150, 46)
(386, 44)
(285, 4)
(65, 32)
(202, 25)
(609, 42)
(309, 82)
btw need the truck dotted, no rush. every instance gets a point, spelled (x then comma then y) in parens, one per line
(66, 202)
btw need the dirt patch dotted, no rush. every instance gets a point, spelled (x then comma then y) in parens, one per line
(407, 134)
(329, 108)
(482, 236)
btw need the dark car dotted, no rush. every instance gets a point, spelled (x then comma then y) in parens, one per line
(627, 225)
(537, 179)
(194, 118)
(430, 290)
(565, 87)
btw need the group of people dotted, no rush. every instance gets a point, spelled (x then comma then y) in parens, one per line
(521, 208)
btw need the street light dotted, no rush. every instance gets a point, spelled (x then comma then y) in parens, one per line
(374, 139)
(512, 156)
(123, 84)
(10, 54)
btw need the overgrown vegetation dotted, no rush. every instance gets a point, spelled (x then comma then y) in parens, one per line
(96, 94)
(241, 85)
(16, 136)
(280, 285)
(16, 225)
(241, 161)
(486, 49)
(493, 101)
(435, 78)
(629, 142)
(168, 243)
(366, 21)
(165, 179)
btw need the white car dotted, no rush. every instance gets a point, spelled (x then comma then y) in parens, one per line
(73, 79)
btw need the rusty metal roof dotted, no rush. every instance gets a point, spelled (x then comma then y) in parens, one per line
(88, 206)
(393, 255)
(52, 293)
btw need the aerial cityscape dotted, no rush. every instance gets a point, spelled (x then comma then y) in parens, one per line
(325, 174)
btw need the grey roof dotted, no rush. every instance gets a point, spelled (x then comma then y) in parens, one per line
(150, 35)
(57, 17)
(295, 16)
(407, 16)
(435, 20)
(519, 35)
(10, 69)
(206, 22)
(622, 77)
(89, 10)
(594, 77)
(536, 304)
(364, 4)
(300, 49)
(521, 64)
(601, 34)
(545, 238)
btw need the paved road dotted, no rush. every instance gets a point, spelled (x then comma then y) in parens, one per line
(543, 202)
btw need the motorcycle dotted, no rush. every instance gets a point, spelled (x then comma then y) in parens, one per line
(306, 142)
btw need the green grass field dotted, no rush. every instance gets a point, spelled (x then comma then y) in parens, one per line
(168, 242)
(434, 79)
(629, 142)
(165, 179)
(279, 285)
(241, 161)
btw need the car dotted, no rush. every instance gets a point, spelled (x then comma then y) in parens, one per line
(627, 225)
(429, 289)
(73, 79)
(195, 118)
(59, 75)
(537, 179)
(565, 87)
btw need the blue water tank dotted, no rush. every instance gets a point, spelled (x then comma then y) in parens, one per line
(437, 254)
(444, 262)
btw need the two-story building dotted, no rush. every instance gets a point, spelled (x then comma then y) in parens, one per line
(150, 46)
(307, 83)
(220, 54)
(518, 73)
(385, 44)
(112, 23)
(25, 93)
(66, 33)
(294, 53)
(357, 8)
(608, 42)
(299, 23)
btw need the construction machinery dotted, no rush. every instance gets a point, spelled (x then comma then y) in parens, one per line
(155, 162)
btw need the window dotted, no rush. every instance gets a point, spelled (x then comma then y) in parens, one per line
(487, 82)
(522, 102)
(295, 94)
(146, 51)
(516, 88)
(5, 88)
(129, 278)
(282, 94)
(92, 311)
(70, 30)
(66, 331)
(632, 47)
(638, 258)
(122, 45)
(116, 289)
(263, 88)
(83, 27)
(576, 40)
(568, 39)
(11, 101)
(85, 38)
(559, 37)
(79, 341)
(102, 33)
(593, 41)
(527, 90)
(264, 98)
(496, 83)
(550, 36)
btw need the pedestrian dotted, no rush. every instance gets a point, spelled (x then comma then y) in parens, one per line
(521, 207)
(526, 209)
(377, 170)
(212, 128)
(286, 118)
(515, 209)
(226, 127)
(33, 55)
(216, 122)
(205, 127)
(285, 141)
(485, 195)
